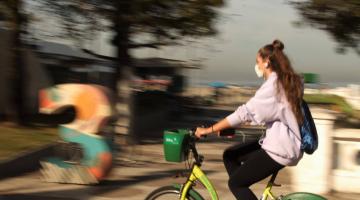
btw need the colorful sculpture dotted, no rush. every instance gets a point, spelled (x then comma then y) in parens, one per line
(93, 110)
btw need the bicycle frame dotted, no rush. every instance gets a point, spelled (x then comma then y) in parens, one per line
(267, 192)
(198, 174)
(186, 189)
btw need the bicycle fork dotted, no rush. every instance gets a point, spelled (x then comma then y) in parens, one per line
(198, 174)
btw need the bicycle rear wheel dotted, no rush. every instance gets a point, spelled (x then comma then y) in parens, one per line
(170, 193)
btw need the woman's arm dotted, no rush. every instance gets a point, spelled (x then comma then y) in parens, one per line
(216, 128)
(258, 109)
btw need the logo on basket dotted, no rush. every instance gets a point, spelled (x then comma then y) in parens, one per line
(171, 140)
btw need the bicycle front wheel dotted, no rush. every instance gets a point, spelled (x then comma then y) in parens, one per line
(170, 193)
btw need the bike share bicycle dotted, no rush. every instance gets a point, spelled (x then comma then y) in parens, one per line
(178, 145)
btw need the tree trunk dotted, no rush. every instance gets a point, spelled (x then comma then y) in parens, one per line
(17, 82)
(123, 92)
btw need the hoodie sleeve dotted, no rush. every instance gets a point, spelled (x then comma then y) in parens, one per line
(240, 115)
(261, 108)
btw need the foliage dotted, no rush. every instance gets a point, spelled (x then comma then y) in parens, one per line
(154, 22)
(327, 99)
(341, 19)
(6, 10)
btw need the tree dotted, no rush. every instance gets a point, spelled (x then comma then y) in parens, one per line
(339, 18)
(12, 14)
(136, 24)
(159, 22)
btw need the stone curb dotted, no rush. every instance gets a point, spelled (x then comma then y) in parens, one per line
(26, 161)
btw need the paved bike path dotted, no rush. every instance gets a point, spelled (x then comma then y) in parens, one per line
(138, 170)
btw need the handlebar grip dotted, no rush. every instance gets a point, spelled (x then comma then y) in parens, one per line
(193, 131)
(227, 132)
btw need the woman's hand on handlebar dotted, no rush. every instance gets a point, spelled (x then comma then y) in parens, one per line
(201, 132)
(216, 128)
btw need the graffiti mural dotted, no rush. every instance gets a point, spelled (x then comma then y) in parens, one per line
(94, 109)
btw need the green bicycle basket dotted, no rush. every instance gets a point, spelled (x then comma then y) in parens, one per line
(175, 143)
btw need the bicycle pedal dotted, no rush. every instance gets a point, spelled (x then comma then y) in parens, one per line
(276, 185)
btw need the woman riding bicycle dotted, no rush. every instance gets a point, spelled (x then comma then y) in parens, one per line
(276, 105)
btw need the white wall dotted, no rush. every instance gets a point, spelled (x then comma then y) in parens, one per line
(312, 172)
(346, 172)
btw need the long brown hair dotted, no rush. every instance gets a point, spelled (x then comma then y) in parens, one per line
(287, 78)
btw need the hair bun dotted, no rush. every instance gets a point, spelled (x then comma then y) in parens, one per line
(277, 44)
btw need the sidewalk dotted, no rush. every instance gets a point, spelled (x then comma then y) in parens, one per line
(138, 170)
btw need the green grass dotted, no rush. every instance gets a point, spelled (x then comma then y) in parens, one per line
(335, 102)
(14, 140)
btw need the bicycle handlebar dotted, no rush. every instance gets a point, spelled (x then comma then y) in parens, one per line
(225, 132)
(192, 142)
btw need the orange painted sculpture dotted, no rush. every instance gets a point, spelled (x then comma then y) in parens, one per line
(93, 108)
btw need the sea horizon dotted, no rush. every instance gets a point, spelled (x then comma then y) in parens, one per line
(258, 83)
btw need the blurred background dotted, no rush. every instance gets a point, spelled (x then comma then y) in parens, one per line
(164, 64)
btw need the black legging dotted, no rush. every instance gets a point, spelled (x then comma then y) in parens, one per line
(246, 164)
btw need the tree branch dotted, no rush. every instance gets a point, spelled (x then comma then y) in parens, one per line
(154, 45)
(98, 55)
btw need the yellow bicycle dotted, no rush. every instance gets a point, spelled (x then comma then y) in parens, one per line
(178, 144)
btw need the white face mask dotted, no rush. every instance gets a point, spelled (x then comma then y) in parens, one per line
(258, 71)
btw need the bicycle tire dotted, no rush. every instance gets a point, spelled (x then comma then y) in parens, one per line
(169, 193)
(303, 196)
